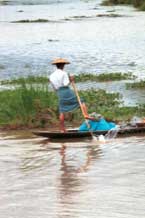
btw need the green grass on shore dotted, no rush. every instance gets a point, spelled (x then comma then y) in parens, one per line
(104, 77)
(27, 106)
(26, 80)
(84, 77)
(140, 4)
(30, 107)
(33, 21)
(136, 85)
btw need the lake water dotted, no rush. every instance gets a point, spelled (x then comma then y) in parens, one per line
(93, 44)
(41, 179)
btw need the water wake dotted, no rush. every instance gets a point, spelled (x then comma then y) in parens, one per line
(111, 134)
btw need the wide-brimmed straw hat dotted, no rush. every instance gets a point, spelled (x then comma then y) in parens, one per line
(60, 61)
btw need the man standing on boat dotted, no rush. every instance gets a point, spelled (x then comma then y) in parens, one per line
(60, 81)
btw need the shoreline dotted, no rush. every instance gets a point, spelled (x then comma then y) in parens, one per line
(30, 104)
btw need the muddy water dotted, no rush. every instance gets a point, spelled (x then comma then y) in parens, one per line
(91, 43)
(72, 179)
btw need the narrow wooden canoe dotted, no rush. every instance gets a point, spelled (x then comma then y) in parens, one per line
(72, 134)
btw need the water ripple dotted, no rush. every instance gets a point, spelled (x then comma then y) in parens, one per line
(73, 179)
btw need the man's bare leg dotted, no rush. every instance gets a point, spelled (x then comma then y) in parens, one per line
(61, 118)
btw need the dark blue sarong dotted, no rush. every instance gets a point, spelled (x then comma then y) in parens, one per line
(67, 99)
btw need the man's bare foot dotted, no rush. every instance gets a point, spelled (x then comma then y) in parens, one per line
(63, 130)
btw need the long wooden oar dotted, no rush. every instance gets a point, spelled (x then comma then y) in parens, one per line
(82, 109)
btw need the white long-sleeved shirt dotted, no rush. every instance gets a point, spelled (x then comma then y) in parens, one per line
(59, 78)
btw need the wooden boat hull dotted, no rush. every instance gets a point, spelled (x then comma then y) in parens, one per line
(72, 134)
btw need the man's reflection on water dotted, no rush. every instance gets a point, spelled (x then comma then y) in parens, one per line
(41, 156)
(63, 169)
(88, 154)
(73, 176)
